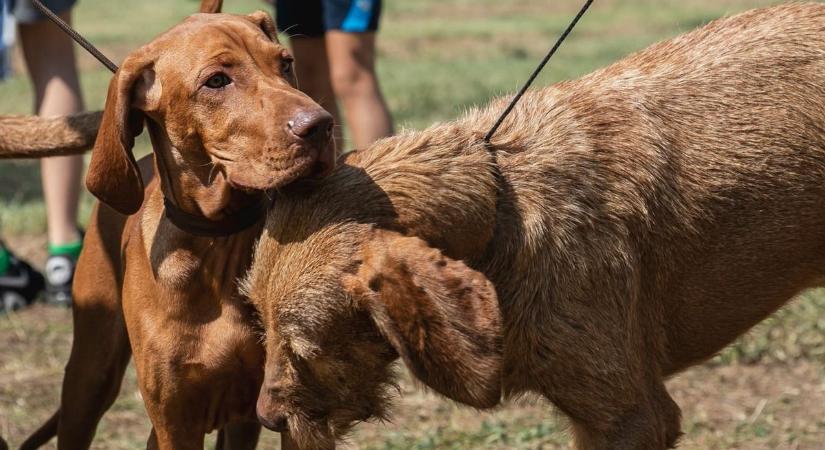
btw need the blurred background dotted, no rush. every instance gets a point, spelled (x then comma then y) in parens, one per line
(435, 59)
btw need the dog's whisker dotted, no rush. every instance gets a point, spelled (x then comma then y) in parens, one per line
(286, 31)
(211, 172)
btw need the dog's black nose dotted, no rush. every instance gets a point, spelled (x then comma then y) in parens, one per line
(311, 124)
(276, 422)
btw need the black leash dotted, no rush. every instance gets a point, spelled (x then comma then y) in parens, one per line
(113, 67)
(75, 35)
(536, 72)
(181, 217)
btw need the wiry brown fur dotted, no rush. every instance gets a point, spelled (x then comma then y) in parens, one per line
(39, 137)
(633, 223)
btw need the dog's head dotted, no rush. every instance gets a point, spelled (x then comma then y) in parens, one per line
(340, 305)
(222, 91)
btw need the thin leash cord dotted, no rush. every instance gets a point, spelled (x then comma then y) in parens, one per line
(113, 67)
(75, 35)
(536, 72)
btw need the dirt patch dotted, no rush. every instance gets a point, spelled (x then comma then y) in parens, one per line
(773, 406)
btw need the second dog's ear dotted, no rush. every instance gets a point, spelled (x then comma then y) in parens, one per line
(113, 176)
(211, 6)
(264, 21)
(441, 316)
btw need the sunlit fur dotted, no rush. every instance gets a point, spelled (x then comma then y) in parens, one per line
(633, 223)
(40, 137)
(191, 335)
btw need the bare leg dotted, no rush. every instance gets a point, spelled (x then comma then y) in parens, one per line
(50, 59)
(312, 69)
(352, 63)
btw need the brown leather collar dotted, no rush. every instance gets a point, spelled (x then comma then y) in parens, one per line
(199, 225)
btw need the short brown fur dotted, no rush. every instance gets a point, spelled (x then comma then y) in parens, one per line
(196, 349)
(632, 223)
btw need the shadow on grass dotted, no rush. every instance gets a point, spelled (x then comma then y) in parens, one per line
(21, 181)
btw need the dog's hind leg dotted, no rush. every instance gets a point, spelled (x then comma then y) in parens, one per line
(43, 434)
(100, 350)
(93, 377)
(88, 391)
(238, 436)
(100, 354)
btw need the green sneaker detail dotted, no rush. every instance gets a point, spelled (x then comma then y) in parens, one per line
(5, 260)
(72, 249)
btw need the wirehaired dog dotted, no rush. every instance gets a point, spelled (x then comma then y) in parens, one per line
(619, 229)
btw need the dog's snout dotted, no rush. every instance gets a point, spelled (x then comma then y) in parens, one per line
(312, 124)
(269, 409)
(276, 422)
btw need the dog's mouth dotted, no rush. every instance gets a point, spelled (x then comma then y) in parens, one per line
(311, 433)
(260, 177)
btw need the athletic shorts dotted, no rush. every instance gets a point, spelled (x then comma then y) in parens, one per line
(24, 12)
(315, 17)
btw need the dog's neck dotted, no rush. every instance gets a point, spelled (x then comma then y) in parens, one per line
(196, 198)
(439, 184)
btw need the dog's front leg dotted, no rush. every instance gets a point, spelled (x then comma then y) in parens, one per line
(176, 403)
(239, 436)
(167, 439)
(652, 424)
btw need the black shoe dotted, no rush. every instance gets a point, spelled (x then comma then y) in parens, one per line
(59, 277)
(20, 285)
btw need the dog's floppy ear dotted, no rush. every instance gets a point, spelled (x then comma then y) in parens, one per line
(441, 316)
(113, 176)
(264, 21)
(211, 6)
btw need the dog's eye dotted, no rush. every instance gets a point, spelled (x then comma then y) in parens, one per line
(286, 66)
(218, 81)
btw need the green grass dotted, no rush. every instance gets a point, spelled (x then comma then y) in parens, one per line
(436, 59)
(490, 434)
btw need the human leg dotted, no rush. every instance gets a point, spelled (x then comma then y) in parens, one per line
(354, 81)
(302, 21)
(49, 56)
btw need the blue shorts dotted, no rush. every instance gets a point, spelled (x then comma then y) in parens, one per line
(24, 12)
(315, 17)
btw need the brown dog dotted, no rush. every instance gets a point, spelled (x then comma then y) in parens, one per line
(619, 229)
(38, 137)
(218, 96)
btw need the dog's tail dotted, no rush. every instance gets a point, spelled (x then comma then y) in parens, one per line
(211, 6)
(40, 137)
(43, 434)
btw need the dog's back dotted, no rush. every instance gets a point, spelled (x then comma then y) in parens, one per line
(683, 186)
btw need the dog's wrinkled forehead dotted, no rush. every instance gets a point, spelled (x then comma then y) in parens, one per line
(203, 38)
(258, 25)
